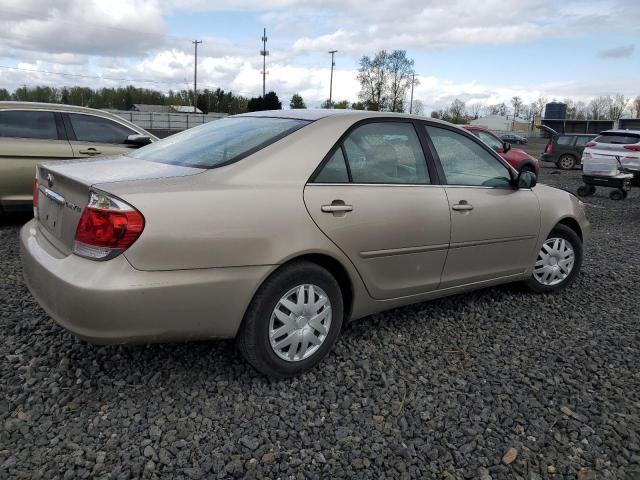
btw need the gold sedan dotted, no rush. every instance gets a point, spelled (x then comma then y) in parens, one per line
(275, 228)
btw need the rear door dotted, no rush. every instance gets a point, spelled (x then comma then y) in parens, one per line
(92, 135)
(494, 227)
(375, 197)
(27, 137)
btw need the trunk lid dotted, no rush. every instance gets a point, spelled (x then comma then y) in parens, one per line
(63, 189)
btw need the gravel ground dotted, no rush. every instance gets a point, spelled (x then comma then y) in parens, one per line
(437, 390)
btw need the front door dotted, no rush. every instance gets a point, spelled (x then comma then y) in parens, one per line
(92, 135)
(374, 199)
(494, 227)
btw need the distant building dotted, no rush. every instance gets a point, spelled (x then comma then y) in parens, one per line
(147, 108)
(506, 123)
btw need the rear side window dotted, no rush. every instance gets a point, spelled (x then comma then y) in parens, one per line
(335, 170)
(582, 141)
(28, 124)
(617, 138)
(219, 142)
(565, 140)
(89, 128)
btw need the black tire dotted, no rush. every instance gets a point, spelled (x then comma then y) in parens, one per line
(567, 162)
(586, 190)
(625, 193)
(617, 194)
(253, 337)
(566, 233)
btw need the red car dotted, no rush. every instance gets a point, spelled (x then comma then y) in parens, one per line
(518, 159)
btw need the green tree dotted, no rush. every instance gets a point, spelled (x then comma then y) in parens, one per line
(342, 105)
(297, 102)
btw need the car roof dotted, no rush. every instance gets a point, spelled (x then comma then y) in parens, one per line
(60, 107)
(621, 131)
(317, 114)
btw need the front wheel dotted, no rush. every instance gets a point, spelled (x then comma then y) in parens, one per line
(293, 320)
(558, 262)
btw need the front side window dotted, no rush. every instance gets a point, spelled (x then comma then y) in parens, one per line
(465, 162)
(219, 142)
(386, 152)
(89, 128)
(28, 124)
(492, 141)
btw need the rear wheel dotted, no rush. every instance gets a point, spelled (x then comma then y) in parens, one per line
(567, 162)
(617, 194)
(293, 320)
(558, 262)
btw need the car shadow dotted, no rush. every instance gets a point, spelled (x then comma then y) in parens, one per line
(15, 219)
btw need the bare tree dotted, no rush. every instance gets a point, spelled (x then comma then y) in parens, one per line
(617, 106)
(400, 71)
(474, 110)
(598, 108)
(570, 113)
(517, 103)
(385, 79)
(635, 105)
(372, 76)
(457, 111)
(418, 107)
(540, 105)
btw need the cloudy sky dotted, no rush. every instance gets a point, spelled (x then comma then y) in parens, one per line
(478, 51)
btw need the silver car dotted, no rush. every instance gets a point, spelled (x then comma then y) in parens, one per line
(275, 228)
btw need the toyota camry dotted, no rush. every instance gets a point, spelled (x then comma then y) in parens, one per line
(275, 228)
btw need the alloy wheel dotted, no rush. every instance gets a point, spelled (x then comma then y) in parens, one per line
(555, 262)
(300, 323)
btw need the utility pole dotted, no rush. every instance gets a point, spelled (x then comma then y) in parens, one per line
(264, 52)
(195, 77)
(413, 81)
(333, 64)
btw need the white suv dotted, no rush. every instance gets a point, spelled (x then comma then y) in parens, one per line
(624, 144)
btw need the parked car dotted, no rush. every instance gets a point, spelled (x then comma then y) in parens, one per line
(518, 159)
(277, 227)
(34, 132)
(565, 150)
(624, 144)
(513, 138)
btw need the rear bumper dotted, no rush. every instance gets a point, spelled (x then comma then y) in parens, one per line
(111, 302)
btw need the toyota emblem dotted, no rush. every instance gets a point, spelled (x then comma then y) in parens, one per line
(49, 180)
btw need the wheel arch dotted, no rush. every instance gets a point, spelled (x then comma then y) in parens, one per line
(573, 224)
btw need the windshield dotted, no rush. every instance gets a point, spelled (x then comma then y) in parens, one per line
(489, 139)
(219, 142)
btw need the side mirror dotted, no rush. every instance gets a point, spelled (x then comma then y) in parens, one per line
(135, 141)
(506, 146)
(526, 179)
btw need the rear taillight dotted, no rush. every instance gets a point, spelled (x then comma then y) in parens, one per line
(35, 195)
(549, 148)
(591, 144)
(107, 227)
(633, 148)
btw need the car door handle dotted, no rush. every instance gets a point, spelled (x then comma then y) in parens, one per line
(336, 208)
(462, 207)
(90, 151)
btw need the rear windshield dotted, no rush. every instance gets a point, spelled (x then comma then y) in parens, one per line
(617, 138)
(219, 142)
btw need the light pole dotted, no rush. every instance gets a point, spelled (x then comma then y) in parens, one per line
(333, 64)
(195, 77)
(413, 81)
